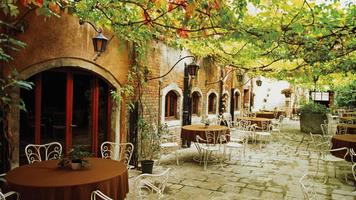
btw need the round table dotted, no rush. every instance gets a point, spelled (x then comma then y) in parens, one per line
(339, 141)
(351, 128)
(189, 132)
(255, 120)
(45, 181)
(269, 115)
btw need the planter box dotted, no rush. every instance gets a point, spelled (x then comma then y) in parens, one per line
(310, 122)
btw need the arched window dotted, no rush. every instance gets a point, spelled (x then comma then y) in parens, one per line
(195, 103)
(212, 103)
(236, 101)
(171, 105)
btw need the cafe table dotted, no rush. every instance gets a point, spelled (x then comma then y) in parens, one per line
(45, 181)
(189, 132)
(269, 115)
(345, 140)
(255, 120)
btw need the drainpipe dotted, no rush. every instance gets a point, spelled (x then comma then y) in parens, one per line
(159, 103)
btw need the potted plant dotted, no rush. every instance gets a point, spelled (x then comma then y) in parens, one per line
(311, 116)
(287, 92)
(78, 156)
(149, 144)
(205, 121)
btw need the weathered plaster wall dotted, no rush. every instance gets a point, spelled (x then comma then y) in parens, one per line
(53, 38)
(62, 42)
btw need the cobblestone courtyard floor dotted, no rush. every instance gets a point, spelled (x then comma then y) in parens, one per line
(272, 172)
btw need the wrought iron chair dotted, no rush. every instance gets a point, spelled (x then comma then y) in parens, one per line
(235, 141)
(307, 186)
(341, 130)
(151, 186)
(8, 194)
(169, 142)
(265, 126)
(353, 155)
(323, 148)
(206, 147)
(98, 193)
(49, 151)
(353, 168)
(325, 130)
(264, 135)
(117, 151)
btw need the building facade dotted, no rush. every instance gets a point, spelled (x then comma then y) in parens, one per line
(71, 98)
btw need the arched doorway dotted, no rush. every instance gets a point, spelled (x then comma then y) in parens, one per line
(68, 105)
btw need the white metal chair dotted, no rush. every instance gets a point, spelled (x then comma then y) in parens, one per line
(236, 141)
(276, 127)
(307, 186)
(325, 130)
(9, 194)
(150, 186)
(353, 168)
(169, 142)
(264, 135)
(353, 155)
(98, 193)
(324, 152)
(206, 147)
(49, 151)
(264, 126)
(117, 151)
(341, 130)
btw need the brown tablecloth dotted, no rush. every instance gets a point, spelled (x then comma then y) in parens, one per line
(255, 120)
(339, 141)
(44, 181)
(189, 132)
(269, 115)
(351, 128)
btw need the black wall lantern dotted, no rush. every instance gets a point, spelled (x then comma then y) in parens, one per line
(258, 82)
(239, 77)
(192, 69)
(100, 42)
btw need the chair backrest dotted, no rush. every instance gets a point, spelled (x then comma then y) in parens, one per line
(317, 141)
(307, 186)
(117, 151)
(281, 118)
(324, 129)
(353, 155)
(147, 185)
(354, 170)
(265, 126)
(341, 130)
(40, 152)
(98, 193)
(211, 137)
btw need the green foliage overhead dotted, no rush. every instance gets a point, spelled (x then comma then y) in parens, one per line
(346, 95)
(296, 40)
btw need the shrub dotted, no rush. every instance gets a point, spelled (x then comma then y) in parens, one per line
(313, 107)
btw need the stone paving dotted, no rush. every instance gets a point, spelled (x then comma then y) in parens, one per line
(272, 172)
